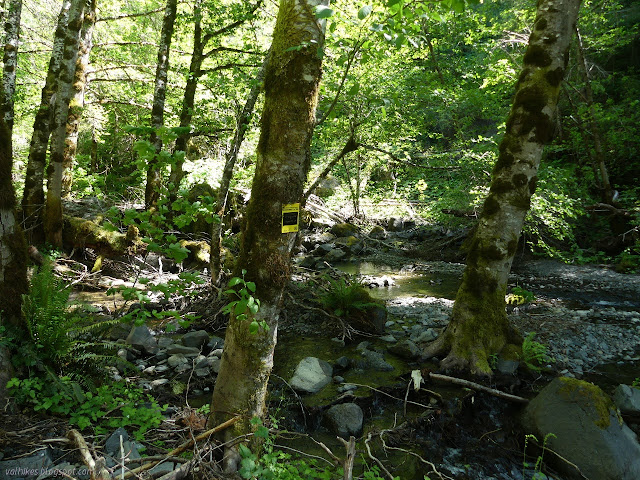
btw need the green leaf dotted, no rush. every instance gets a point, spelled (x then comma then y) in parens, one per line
(253, 327)
(364, 12)
(322, 11)
(234, 281)
(251, 286)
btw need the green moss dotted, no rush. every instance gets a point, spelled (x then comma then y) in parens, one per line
(537, 56)
(555, 76)
(522, 201)
(492, 251)
(533, 184)
(491, 206)
(511, 352)
(501, 185)
(590, 394)
(541, 24)
(532, 98)
(505, 160)
(512, 246)
(519, 179)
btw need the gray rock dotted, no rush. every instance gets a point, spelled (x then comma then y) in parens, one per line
(175, 349)
(201, 361)
(428, 335)
(197, 339)
(162, 469)
(587, 428)
(164, 342)
(216, 353)
(159, 382)
(627, 399)
(375, 361)
(342, 362)
(388, 338)
(112, 445)
(378, 232)
(142, 338)
(507, 367)
(161, 368)
(345, 419)
(334, 255)
(405, 349)
(202, 372)
(214, 364)
(311, 375)
(177, 360)
(27, 468)
(216, 342)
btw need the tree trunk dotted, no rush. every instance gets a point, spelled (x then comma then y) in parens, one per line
(154, 170)
(291, 83)
(13, 257)
(232, 156)
(607, 191)
(53, 208)
(10, 59)
(479, 326)
(33, 195)
(188, 101)
(77, 101)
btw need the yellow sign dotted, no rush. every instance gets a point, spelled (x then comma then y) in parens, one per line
(290, 217)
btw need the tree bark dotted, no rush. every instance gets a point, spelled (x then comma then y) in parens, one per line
(53, 208)
(10, 59)
(154, 172)
(13, 257)
(232, 156)
(77, 100)
(479, 326)
(292, 76)
(33, 195)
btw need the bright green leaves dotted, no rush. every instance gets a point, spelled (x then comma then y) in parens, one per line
(364, 12)
(322, 11)
(245, 305)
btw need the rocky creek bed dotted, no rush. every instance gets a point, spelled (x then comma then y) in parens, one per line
(587, 316)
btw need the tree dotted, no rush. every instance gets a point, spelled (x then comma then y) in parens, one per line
(33, 195)
(77, 100)
(479, 326)
(292, 76)
(53, 207)
(13, 256)
(10, 60)
(154, 172)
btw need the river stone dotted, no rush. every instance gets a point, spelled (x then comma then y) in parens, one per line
(311, 375)
(344, 230)
(627, 399)
(214, 364)
(216, 343)
(181, 349)
(162, 469)
(177, 360)
(142, 338)
(378, 232)
(588, 430)
(27, 468)
(375, 361)
(334, 255)
(112, 444)
(197, 339)
(345, 419)
(405, 349)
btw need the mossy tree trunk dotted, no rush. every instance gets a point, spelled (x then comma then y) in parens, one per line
(479, 326)
(292, 76)
(33, 195)
(154, 170)
(10, 60)
(13, 257)
(53, 207)
(77, 99)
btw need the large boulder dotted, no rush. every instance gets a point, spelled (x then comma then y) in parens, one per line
(588, 430)
(142, 338)
(345, 419)
(311, 375)
(627, 399)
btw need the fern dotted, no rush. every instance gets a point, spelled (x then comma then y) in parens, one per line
(344, 298)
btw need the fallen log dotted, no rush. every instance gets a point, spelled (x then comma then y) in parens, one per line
(83, 233)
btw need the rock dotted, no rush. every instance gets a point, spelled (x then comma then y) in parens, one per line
(344, 230)
(164, 342)
(142, 338)
(406, 349)
(177, 360)
(202, 372)
(345, 419)
(189, 351)
(311, 375)
(215, 343)
(507, 367)
(327, 186)
(159, 382)
(197, 339)
(112, 445)
(342, 362)
(627, 399)
(388, 338)
(334, 255)
(375, 361)
(162, 469)
(587, 430)
(214, 364)
(426, 336)
(378, 233)
(28, 468)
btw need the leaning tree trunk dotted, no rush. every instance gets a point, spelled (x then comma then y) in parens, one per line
(10, 59)
(479, 326)
(242, 126)
(154, 170)
(291, 83)
(53, 207)
(13, 257)
(77, 100)
(33, 195)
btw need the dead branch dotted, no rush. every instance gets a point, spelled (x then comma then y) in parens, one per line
(97, 468)
(476, 386)
(350, 457)
(375, 459)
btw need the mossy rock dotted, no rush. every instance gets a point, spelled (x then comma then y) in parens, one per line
(106, 241)
(587, 430)
(344, 230)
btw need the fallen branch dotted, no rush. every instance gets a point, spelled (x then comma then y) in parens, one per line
(476, 386)
(178, 450)
(350, 446)
(375, 459)
(97, 468)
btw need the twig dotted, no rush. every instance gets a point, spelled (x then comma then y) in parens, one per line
(184, 446)
(391, 396)
(350, 457)
(476, 386)
(375, 459)
(433, 467)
